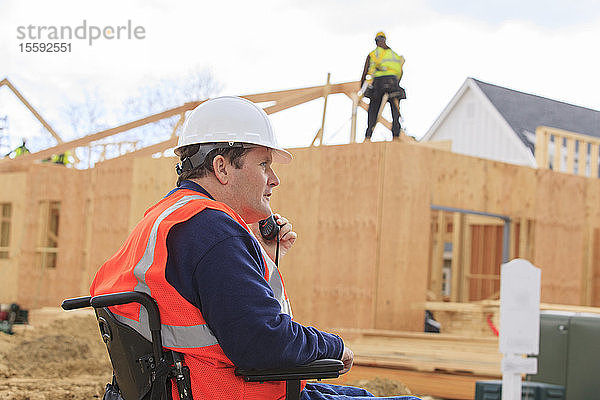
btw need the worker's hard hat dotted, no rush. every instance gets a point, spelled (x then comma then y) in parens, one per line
(380, 34)
(230, 121)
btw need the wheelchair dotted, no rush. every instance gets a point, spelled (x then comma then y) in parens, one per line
(143, 370)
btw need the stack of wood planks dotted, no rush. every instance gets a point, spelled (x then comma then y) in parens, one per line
(440, 365)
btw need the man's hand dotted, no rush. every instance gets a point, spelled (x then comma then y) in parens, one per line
(347, 359)
(287, 237)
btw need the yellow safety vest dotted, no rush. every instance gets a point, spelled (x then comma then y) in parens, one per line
(62, 158)
(384, 62)
(21, 150)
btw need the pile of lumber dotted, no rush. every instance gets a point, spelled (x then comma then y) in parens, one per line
(440, 365)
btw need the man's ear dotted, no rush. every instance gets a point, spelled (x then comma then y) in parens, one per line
(220, 167)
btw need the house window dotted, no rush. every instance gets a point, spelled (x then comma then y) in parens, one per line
(49, 224)
(5, 229)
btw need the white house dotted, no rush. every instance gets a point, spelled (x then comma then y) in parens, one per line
(496, 123)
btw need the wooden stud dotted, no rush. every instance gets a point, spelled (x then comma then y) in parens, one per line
(325, 94)
(384, 100)
(594, 160)
(457, 266)
(581, 159)
(523, 238)
(438, 256)
(178, 124)
(468, 249)
(541, 147)
(380, 120)
(355, 99)
(558, 147)
(570, 155)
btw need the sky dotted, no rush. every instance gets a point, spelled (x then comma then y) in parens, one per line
(548, 48)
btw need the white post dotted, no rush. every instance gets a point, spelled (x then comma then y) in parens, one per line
(519, 324)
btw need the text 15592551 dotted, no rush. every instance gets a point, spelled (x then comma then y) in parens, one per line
(45, 47)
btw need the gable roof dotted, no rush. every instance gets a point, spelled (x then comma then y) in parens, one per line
(525, 112)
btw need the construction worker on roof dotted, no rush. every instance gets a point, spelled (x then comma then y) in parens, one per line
(62, 158)
(199, 253)
(384, 67)
(19, 151)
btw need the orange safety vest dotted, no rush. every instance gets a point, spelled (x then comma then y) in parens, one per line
(140, 265)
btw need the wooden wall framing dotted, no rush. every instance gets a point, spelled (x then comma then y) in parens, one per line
(365, 257)
(362, 213)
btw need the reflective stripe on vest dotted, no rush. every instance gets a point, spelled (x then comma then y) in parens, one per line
(179, 337)
(276, 283)
(172, 335)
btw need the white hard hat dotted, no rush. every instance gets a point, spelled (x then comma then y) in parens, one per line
(231, 120)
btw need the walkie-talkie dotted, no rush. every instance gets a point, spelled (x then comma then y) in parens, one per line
(269, 230)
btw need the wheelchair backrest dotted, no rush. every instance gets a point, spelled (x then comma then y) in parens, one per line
(130, 354)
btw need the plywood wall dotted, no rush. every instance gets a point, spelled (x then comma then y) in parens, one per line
(35, 285)
(353, 263)
(362, 214)
(13, 192)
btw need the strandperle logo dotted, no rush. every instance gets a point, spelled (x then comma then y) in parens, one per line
(84, 31)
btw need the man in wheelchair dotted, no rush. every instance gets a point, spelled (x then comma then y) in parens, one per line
(199, 253)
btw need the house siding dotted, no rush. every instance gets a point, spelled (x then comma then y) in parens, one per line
(476, 130)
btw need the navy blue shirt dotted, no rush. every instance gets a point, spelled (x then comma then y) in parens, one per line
(216, 265)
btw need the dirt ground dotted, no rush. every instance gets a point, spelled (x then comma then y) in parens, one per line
(60, 356)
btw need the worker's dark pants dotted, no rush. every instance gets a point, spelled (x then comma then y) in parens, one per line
(324, 391)
(382, 85)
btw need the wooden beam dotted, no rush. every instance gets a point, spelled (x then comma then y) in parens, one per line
(468, 249)
(541, 147)
(355, 100)
(570, 155)
(458, 227)
(581, 160)
(6, 82)
(594, 160)
(284, 99)
(27, 158)
(180, 122)
(569, 134)
(384, 100)
(523, 238)
(437, 262)
(319, 134)
(381, 120)
(293, 101)
(153, 149)
(346, 88)
(558, 146)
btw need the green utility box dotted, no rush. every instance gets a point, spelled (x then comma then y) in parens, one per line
(492, 390)
(570, 353)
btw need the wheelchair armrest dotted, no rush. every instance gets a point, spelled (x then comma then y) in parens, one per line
(319, 369)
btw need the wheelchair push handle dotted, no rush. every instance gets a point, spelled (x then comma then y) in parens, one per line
(75, 303)
(115, 299)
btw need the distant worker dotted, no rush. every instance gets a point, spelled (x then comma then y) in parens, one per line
(62, 158)
(19, 151)
(385, 68)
